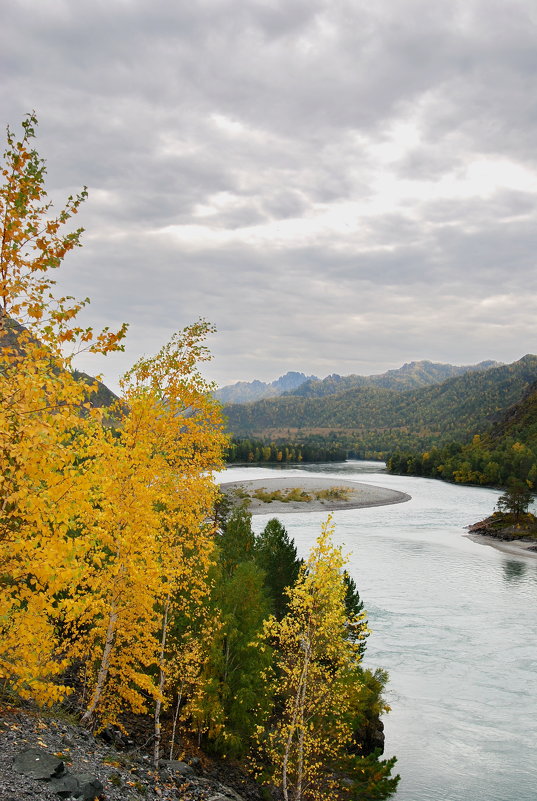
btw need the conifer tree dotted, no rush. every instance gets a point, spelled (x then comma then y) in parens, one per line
(275, 553)
(234, 697)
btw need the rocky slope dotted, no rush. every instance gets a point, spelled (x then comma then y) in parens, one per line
(47, 758)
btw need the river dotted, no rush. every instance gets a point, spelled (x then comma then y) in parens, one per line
(453, 622)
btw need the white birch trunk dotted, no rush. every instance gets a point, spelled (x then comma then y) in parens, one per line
(102, 676)
(162, 678)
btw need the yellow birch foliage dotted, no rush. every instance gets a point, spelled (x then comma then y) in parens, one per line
(316, 678)
(99, 528)
(155, 494)
(44, 491)
(44, 438)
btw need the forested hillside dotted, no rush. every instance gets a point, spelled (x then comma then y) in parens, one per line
(508, 450)
(373, 420)
(410, 376)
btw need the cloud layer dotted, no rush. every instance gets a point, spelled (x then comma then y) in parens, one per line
(336, 187)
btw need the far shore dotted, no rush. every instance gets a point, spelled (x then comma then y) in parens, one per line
(359, 495)
(514, 547)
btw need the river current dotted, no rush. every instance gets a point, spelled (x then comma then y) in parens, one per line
(453, 621)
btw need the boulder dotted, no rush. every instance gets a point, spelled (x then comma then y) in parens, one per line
(77, 785)
(88, 786)
(38, 764)
(176, 766)
(65, 786)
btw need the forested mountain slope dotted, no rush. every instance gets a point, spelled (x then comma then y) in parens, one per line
(379, 420)
(508, 450)
(412, 375)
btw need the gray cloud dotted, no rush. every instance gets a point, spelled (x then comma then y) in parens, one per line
(337, 187)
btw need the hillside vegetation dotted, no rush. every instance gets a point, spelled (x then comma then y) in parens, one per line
(372, 421)
(508, 450)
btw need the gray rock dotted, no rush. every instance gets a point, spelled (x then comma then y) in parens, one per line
(195, 763)
(77, 785)
(38, 764)
(176, 766)
(89, 786)
(222, 797)
(67, 741)
(227, 793)
(65, 786)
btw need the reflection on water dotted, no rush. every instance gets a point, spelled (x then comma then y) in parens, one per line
(513, 571)
(454, 623)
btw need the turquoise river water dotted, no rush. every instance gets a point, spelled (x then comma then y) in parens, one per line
(453, 621)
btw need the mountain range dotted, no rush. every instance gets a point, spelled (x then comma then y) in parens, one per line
(410, 376)
(248, 391)
(374, 420)
(10, 337)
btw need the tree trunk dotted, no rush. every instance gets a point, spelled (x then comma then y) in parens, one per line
(87, 718)
(298, 709)
(175, 718)
(162, 678)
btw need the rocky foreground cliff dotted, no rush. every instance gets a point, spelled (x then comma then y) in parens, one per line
(46, 758)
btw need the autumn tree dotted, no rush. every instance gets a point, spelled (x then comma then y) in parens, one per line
(104, 541)
(156, 494)
(44, 436)
(317, 681)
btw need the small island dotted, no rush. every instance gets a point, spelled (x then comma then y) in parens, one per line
(300, 494)
(511, 527)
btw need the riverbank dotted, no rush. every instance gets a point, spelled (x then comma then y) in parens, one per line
(323, 494)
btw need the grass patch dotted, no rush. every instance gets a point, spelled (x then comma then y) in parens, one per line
(296, 494)
(333, 494)
(284, 496)
(240, 492)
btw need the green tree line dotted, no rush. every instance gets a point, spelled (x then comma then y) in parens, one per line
(259, 451)
(260, 589)
(507, 452)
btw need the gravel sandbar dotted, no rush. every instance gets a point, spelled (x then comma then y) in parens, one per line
(360, 495)
(515, 547)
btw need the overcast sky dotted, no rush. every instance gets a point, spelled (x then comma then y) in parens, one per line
(338, 185)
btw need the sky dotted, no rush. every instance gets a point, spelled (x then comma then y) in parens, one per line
(337, 185)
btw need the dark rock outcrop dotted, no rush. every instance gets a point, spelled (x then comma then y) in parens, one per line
(36, 763)
(45, 759)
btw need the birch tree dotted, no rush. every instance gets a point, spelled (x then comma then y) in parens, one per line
(47, 425)
(317, 684)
